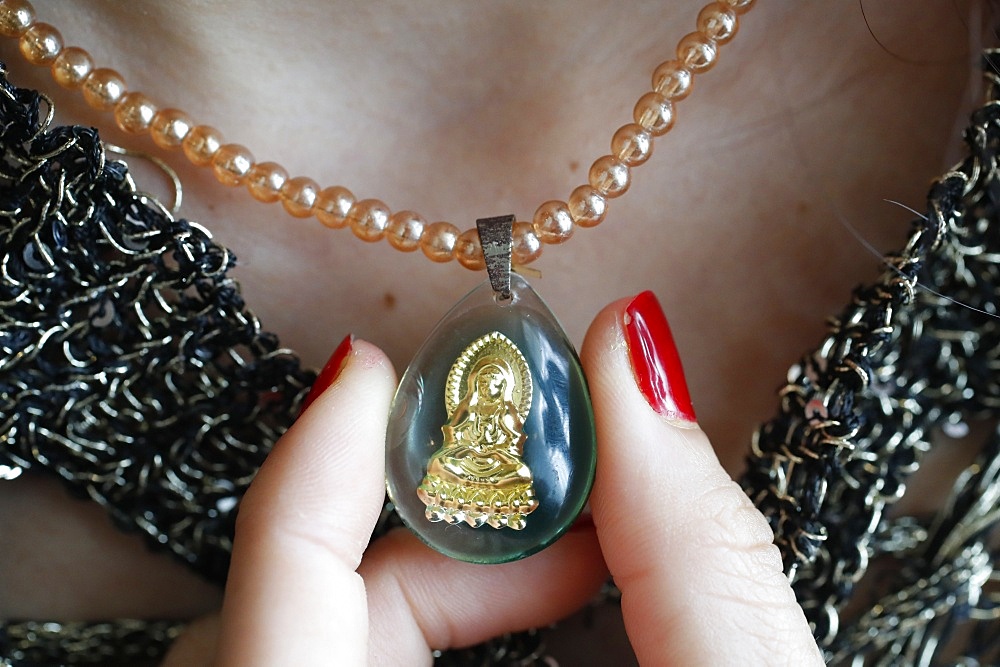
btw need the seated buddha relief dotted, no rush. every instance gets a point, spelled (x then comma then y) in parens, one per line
(478, 476)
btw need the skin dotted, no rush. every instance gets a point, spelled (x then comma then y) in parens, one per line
(741, 223)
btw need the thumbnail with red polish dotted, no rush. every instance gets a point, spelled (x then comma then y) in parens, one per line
(655, 361)
(330, 371)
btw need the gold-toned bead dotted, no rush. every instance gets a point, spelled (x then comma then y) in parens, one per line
(697, 52)
(298, 196)
(134, 112)
(265, 180)
(609, 176)
(654, 113)
(201, 143)
(71, 67)
(740, 6)
(587, 206)
(16, 16)
(469, 250)
(333, 204)
(717, 21)
(404, 230)
(526, 247)
(103, 88)
(438, 241)
(170, 127)
(632, 144)
(231, 164)
(553, 223)
(40, 44)
(368, 219)
(672, 80)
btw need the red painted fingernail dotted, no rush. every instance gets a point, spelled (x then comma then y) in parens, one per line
(330, 371)
(655, 362)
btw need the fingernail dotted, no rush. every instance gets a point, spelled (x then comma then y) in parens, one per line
(655, 362)
(330, 371)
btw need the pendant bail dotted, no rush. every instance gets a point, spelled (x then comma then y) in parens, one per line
(496, 236)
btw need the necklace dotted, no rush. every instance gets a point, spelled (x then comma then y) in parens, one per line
(370, 219)
(502, 466)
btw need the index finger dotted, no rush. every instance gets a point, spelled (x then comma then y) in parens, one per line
(701, 581)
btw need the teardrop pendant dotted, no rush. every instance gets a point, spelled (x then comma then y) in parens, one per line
(491, 449)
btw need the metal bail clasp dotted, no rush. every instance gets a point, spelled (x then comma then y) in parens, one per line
(496, 236)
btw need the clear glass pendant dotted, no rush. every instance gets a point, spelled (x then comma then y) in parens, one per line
(491, 447)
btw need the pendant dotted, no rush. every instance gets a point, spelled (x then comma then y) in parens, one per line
(491, 448)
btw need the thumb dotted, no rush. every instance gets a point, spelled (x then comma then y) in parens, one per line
(701, 581)
(293, 596)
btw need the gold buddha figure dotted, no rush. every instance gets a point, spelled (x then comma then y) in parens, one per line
(478, 475)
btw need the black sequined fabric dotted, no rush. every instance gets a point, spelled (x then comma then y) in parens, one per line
(912, 360)
(131, 367)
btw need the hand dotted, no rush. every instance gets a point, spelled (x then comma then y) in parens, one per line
(298, 592)
(701, 582)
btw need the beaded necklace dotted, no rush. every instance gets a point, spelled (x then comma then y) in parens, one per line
(370, 219)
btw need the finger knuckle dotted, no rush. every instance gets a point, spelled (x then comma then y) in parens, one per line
(724, 518)
(731, 536)
(743, 572)
(279, 530)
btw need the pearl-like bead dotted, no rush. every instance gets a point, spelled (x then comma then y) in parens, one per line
(438, 241)
(170, 127)
(72, 67)
(134, 113)
(632, 144)
(526, 247)
(740, 6)
(404, 230)
(717, 21)
(609, 176)
(265, 180)
(16, 16)
(469, 250)
(368, 219)
(103, 88)
(231, 164)
(553, 223)
(697, 52)
(298, 196)
(672, 80)
(587, 206)
(40, 44)
(333, 205)
(201, 143)
(654, 113)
